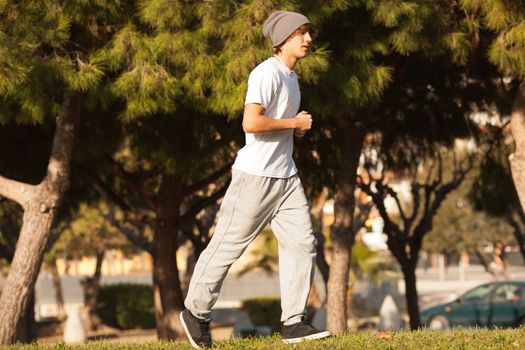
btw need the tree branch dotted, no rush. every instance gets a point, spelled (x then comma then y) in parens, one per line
(378, 200)
(130, 231)
(396, 237)
(59, 164)
(203, 203)
(134, 185)
(429, 175)
(440, 194)
(389, 190)
(207, 180)
(440, 168)
(17, 191)
(187, 229)
(104, 188)
(56, 232)
(415, 196)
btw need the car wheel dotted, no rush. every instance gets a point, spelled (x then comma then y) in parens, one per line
(438, 322)
(521, 322)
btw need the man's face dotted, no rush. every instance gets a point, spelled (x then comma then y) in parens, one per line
(298, 44)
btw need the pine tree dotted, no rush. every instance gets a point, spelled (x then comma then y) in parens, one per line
(372, 45)
(50, 71)
(493, 192)
(56, 65)
(207, 56)
(505, 21)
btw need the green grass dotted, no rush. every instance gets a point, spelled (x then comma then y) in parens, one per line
(420, 340)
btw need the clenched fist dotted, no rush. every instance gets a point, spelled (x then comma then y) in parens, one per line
(303, 123)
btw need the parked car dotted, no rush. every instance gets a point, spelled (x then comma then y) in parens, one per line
(496, 304)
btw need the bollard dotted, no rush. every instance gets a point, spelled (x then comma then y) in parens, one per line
(74, 331)
(389, 317)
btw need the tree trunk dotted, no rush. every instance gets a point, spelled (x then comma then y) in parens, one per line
(518, 225)
(320, 258)
(191, 261)
(91, 286)
(57, 286)
(483, 260)
(40, 204)
(28, 329)
(342, 234)
(167, 290)
(409, 274)
(517, 159)
(338, 283)
(521, 243)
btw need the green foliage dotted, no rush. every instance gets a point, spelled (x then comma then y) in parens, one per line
(459, 227)
(390, 13)
(493, 190)
(47, 47)
(370, 265)
(126, 306)
(87, 233)
(165, 14)
(149, 89)
(506, 20)
(85, 77)
(264, 312)
(459, 45)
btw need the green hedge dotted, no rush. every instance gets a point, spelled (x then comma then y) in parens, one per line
(264, 312)
(126, 306)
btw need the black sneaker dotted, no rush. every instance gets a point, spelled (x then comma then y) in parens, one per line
(301, 331)
(197, 330)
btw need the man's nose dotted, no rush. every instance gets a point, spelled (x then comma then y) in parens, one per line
(308, 38)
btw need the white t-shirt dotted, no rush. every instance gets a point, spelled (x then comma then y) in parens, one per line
(275, 87)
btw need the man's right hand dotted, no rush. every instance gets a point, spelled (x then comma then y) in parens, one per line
(303, 121)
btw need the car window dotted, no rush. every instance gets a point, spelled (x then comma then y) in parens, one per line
(508, 292)
(478, 294)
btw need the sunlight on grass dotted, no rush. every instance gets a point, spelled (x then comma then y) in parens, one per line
(447, 340)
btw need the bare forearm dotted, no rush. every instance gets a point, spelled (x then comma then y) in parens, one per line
(254, 120)
(262, 123)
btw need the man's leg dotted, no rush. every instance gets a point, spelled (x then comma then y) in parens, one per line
(293, 228)
(247, 207)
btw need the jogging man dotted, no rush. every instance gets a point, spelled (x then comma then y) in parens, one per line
(264, 189)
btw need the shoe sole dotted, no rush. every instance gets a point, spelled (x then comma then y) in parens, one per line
(188, 335)
(319, 335)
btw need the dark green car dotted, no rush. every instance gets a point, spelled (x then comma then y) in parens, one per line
(496, 304)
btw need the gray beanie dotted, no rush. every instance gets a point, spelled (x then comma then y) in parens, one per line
(280, 24)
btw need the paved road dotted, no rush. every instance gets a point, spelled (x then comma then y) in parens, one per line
(433, 287)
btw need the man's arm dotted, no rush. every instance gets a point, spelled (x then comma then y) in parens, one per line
(254, 121)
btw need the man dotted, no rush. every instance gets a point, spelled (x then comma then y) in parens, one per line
(264, 189)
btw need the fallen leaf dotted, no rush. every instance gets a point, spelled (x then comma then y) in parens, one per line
(383, 335)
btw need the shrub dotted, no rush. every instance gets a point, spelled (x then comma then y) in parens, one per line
(264, 312)
(126, 306)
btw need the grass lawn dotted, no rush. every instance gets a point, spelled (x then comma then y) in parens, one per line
(421, 340)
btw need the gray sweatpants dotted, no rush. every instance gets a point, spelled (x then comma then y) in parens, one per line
(250, 203)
